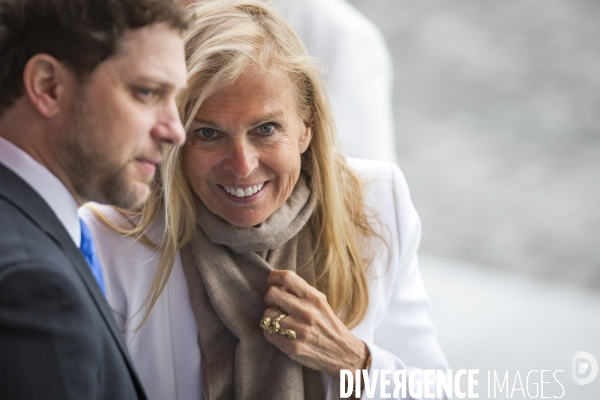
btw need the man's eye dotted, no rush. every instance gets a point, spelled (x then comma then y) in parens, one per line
(266, 128)
(146, 93)
(206, 133)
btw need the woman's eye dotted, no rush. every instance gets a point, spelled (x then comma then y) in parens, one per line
(266, 128)
(206, 133)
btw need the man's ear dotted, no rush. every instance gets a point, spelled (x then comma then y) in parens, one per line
(45, 79)
(305, 138)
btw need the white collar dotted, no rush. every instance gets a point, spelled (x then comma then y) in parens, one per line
(46, 184)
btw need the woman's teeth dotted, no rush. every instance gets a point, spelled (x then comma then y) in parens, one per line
(239, 192)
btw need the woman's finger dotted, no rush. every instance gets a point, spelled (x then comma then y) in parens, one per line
(290, 281)
(277, 297)
(272, 312)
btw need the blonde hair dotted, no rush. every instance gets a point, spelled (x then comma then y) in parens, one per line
(226, 40)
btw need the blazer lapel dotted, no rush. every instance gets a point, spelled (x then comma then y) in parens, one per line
(25, 198)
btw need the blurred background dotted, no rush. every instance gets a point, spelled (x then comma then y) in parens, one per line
(496, 127)
(497, 116)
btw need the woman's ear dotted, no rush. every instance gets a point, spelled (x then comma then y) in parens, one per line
(44, 80)
(305, 138)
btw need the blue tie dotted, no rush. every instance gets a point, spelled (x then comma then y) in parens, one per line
(89, 252)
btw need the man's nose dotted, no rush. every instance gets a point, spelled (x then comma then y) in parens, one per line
(170, 129)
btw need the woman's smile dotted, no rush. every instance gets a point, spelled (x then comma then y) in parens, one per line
(244, 193)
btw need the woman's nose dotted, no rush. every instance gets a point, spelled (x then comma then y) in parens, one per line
(242, 159)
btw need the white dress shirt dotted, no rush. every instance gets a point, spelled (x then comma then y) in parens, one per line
(45, 183)
(165, 350)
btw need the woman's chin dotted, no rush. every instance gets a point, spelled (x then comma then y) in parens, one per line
(242, 215)
(245, 221)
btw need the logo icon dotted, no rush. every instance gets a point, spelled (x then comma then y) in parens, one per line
(584, 364)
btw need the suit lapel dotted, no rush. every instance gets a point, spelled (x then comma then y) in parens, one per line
(25, 198)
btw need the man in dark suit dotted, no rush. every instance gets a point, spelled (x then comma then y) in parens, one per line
(87, 101)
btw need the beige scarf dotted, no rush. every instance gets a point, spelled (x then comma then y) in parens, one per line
(226, 268)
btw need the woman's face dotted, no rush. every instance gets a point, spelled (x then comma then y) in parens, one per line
(242, 157)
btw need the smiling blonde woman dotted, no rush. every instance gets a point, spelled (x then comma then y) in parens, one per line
(258, 222)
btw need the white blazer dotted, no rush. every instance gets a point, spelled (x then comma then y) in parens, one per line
(165, 350)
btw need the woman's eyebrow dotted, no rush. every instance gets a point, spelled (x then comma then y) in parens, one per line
(267, 117)
(206, 122)
(261, 120)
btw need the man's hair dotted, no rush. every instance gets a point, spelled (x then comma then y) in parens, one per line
(79, 33)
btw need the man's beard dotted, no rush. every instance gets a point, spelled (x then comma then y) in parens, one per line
(92, 175)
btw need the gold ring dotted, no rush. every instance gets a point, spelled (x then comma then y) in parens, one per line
(289, 333)
(272, 326)
(265, 324)
(275, 323)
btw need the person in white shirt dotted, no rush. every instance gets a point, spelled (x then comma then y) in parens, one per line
(264, 263)
(87, 101)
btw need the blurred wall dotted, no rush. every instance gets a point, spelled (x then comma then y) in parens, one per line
(496, 112)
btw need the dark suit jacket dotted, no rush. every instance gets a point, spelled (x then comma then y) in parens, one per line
(58, 338)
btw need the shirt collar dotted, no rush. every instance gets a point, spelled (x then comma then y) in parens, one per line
(46, 184)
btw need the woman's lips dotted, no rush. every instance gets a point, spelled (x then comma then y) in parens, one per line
(245, 192)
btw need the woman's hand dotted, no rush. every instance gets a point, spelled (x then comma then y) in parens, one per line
(323, 342)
